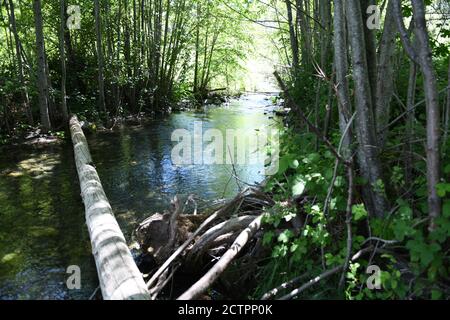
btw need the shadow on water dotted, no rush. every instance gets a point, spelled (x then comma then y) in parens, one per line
(42, 228)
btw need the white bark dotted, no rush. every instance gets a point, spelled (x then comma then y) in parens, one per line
(120, 278)
(208, 279)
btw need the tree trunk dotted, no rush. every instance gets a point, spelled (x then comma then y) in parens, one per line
(62, 55)
(24, 90)
(100, 59)
(432, 109)
(292, 36)
(410, 100)
(385, 75)
(340, 60)
(422, 56)
(119, 277)
(42, 75)
(447, 109)
(368, 157)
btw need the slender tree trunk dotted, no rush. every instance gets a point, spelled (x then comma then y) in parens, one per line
(197, 48)
(341, 65)
(385, 74)
(304, 33)
(100, 59)
(447, 109)
(24, 90)
(422, 55)
(369, 161)
(42, 76)
(292, 36)
(410, 100)
(62, 55)
(432, 106)
(371, 50)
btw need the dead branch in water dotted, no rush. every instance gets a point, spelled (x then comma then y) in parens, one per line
(185, 240)
(204, 242)
(208, 279)
(230, 206)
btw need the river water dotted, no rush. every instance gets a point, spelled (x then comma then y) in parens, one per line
(42, 227)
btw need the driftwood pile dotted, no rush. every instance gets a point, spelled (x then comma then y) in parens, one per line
(227, 236)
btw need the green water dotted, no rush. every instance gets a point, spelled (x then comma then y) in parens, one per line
(42, 228)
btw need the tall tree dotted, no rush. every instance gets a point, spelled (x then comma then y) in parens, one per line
(341, 65)
(23, 89)
(368, 150)
(41, 72)
(100, 58)
(62, 56)
(385, 74)
(292, 36)
(421, 54)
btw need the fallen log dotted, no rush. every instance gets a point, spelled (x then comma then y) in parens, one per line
(119, 277)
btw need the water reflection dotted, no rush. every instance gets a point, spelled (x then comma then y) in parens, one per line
(42, 228)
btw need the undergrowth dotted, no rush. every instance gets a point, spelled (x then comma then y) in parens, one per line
(407, 260)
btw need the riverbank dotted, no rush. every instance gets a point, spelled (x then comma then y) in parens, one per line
(24, 134)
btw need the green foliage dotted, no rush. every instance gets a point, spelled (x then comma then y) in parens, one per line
(300, 188)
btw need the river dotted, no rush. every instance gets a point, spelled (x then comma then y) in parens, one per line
(42, 228)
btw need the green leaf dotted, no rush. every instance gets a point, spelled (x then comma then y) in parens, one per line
(401, 229)
(267, 238)
(294, 164)
(285, 236)
(299, 186)
(359, 212)
(447, 167)
(436, 294)
(446, 209)
(442, 189)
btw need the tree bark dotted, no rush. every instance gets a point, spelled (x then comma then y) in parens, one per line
(340, 60)
(119, 277)
(24, 90)
(42, 76)
(385, 74)
(432, 109)
(62, 55)
(292, 36)
(422, 56)
(100, 59)
(410, 100)
(368, 151)
(447, 109)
